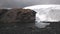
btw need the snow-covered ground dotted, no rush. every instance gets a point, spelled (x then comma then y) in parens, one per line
(45, 13)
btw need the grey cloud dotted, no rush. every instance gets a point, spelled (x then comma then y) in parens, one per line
(23, 3)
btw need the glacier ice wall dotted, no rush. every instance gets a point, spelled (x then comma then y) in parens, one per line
(45, 13)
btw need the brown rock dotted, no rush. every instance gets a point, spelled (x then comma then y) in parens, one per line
(19, 16)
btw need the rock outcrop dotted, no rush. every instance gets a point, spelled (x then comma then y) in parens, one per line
(18, 15)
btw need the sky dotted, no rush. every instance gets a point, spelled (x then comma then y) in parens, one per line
(24, 3)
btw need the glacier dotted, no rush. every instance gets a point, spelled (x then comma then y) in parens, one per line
(45, 13)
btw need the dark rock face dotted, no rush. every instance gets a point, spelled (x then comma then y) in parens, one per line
(2, 12)
(17, 21)
(18, 16)
(53, 28)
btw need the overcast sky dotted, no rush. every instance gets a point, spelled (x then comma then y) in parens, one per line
(23, 3)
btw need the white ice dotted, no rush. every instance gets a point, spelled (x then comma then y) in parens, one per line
(45, 13)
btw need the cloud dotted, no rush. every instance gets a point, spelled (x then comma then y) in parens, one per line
(23, 3)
